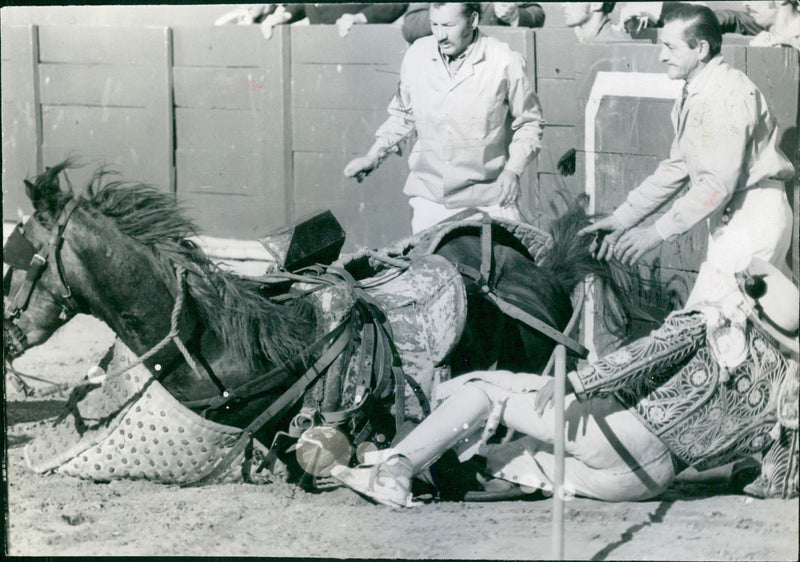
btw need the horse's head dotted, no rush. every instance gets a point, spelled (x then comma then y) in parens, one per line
(37, 293)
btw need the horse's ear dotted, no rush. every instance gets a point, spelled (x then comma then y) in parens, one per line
(45, 192)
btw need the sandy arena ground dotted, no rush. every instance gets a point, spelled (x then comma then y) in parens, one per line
(55, 515)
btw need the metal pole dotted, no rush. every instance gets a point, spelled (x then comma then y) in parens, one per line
(558, 449)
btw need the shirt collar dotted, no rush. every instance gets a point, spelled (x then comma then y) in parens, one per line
(699, 81)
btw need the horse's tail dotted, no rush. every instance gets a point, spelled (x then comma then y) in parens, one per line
(570, 261)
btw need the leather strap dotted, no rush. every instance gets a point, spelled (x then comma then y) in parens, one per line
(542, 327)
(264, 382)
(296, 391)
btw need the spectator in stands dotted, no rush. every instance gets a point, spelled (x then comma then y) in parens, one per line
(592, 22)
(478, 121)
(781, 22)
(725, 150)
(343, 15)
(740, 21)
(638, 16)
(246, 14)
(417, 22)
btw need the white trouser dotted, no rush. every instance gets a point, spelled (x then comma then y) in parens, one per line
(610, 455)
(428, 213)
(759, 224)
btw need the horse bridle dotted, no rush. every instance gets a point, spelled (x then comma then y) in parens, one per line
(19, 250)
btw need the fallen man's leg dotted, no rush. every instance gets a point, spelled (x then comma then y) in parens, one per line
(610, 454)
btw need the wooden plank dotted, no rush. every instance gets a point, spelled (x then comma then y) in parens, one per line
(163, 111)
(97, 127)
(555, 52)
(246, 218)
(226, 129)
(106, 85)
(335, 130)
(633, 126)
(374, 213)
(219, 88)
(132, 163)
(99, 44)
(364, 44)
(617, 174)
(559, 104)
(222, 173)
(19, 140)
(735, 55)
(276, 144)
(555, 142)
(776, 72)
(225, 45)
(343, 86)
(22, 155)
(16, 45)
(520, 39)
(591, 58)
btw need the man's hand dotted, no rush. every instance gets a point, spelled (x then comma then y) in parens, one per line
(278, 17)
(608, 232)
(508, 184)
(507, 12)
(361, 167)
(346, 21)
(637, 242)
(544, 396)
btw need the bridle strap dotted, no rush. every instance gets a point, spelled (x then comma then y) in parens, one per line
(56, 240)
(38, 264)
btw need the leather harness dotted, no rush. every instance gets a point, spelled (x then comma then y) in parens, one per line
(485, 281)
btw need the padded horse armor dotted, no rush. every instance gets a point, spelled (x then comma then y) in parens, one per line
(131, 427)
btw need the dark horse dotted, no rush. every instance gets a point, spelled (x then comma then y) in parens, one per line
(113, 253)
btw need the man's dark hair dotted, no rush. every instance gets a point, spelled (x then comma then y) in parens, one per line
(469, 7)
(702, 25)
(607, 7)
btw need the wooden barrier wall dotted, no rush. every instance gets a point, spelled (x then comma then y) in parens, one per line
(252, 134)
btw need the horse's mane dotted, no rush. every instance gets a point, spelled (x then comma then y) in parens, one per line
(570, 262)
(249, 325)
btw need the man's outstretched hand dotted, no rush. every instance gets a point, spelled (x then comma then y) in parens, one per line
(608, 230)
(361, 167)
